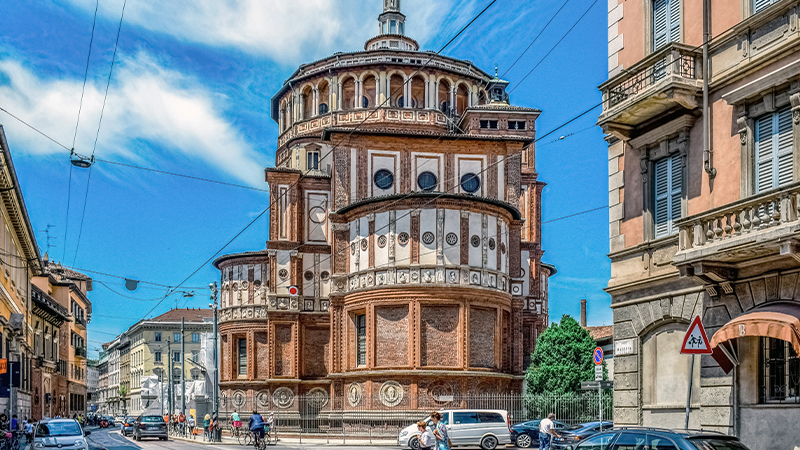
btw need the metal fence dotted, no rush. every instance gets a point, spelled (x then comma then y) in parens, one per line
(320, 416)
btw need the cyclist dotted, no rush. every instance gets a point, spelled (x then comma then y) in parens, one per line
(256, 425)
(237, 422)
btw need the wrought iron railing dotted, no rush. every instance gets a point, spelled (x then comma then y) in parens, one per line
(674, 60)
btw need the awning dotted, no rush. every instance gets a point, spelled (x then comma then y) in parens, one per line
(778, 320)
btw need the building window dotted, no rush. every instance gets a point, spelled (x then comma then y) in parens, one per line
(773, 156)
(402, 28)
(393, 27)
(470, 183)
(489, 124)
(242, 356)
(667, 183)
(760, 5)
(195, 337)
(427, 181)
(312, 160)
(176, 356)
(361, 340)
(516, 124)
(779, 379)
(666, 22)
(157, 357)
(383, 179)
(323, 108)
(158, 336)
(177, 337)
(196, 355)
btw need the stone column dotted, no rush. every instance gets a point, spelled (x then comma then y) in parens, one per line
(427, 94)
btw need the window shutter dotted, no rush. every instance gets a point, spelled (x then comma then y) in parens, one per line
(659, 23)
(784, 141)
(763, 157)
(676, 178)
(674, 20)
(760, 5)
(662, 198)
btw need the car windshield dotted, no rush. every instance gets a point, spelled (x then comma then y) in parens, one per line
(717, 444)
(53, 429)
(152, 419)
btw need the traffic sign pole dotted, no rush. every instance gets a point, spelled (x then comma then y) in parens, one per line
(597, 356)
(694, 343)
(689, 394)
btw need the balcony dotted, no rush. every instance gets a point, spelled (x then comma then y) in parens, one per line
(80, 352)
(80, 322)
(716, 245)
(667, 79)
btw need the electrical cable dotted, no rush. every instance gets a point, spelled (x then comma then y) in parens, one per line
(554, 46)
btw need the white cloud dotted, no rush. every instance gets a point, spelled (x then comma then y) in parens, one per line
(149, 108)
(286, 31)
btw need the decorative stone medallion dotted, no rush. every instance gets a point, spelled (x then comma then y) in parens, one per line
(317, 398)
(324, 275)
(451, 239)
(403, 238)
(354, 394)
(352, 248)
(283, 397)
(475, 240)
(491, 244)
(364, 244)
(441, 392)
(503, 248)
(308, 275)
(428, 237)
(391, 393)
(262, 398)
(238, 399)
(381, 241)
(283, 273)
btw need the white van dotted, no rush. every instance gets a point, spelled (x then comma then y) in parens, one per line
(486, 428)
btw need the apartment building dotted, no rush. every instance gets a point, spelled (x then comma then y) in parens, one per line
(704, 177)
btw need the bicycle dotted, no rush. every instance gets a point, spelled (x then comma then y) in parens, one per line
(246, 438)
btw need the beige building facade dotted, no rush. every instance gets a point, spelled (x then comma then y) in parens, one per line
(705, 223)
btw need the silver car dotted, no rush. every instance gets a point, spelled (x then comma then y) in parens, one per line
(60, 433)
(150, 426)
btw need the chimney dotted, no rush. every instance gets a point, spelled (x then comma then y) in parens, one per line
(583, 312)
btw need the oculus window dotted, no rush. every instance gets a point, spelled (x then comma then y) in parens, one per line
(383, 179)
(427, 181)
(470, 183)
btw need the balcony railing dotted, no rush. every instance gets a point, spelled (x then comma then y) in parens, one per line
(675, 66)
(80, 352)
(748, 218)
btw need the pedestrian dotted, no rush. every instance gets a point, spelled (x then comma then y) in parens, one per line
(257, 426)
(29, 432)
(426, 438)
(440, 432)
(547, 431)
(206, 425)
(237, 422)
(191, 425)
(269, 423)
(14, 423)
(182, 423)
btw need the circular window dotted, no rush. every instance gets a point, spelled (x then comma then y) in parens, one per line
(308, 275)
(503, 248)
(428, 237)
(257, 283)
(427, 181)
(324, 275)
(470, 183)
(364, 244)
(381, 241)
(317, 214)
(451, 239)
(403, 238)
(475, 240)
(383, 179)
(283, 273)
(491, 244)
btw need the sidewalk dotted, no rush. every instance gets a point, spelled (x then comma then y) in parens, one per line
(335, 441)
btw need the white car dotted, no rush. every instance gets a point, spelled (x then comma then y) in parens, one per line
(486, 428)
(60, 433)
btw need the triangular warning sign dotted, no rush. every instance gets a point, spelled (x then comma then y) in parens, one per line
(696, 341)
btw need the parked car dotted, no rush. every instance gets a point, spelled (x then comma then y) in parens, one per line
(466, 427)
(526, 434)
(659, 439)
(573, 435)
(58, 433)
(127, 426)
(150, 426)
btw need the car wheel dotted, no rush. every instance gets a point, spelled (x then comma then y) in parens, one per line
(489, 443)
(524, 441)
(413, 443)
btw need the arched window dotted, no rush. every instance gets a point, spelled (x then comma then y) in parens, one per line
(323, 108)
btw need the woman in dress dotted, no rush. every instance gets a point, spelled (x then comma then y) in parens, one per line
(440, 432)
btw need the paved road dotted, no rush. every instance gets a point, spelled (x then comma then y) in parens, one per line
(106, 439)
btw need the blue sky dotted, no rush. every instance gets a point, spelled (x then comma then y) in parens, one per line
(190, 94)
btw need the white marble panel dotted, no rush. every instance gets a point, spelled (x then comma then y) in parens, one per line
(402, 253)
(381, 230)
(427, 224)
(475, 229)
(452, 224)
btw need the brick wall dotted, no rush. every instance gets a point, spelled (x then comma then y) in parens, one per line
(482, 324)
(262, 355)
(439, 336)
(225, 371)
(316, 355)
(391, 337)
(283, 350)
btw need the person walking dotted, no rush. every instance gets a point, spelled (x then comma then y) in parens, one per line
(182, 423)
(426, 438)
(206, 425)
(440, 432)
(191, 425)
(547, 432)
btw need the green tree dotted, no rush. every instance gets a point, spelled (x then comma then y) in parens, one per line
(562, 359)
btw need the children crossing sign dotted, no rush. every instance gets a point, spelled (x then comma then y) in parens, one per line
(696, 341)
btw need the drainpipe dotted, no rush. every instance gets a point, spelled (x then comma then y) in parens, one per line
(708, 163)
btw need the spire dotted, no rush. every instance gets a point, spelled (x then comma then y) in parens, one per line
(392, 21)
(391, 6)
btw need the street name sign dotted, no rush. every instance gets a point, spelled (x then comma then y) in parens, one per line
(696, 341)
(593, 385)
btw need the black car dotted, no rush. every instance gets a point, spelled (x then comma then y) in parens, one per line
(577, 433)
(658, 439)
(526, 434)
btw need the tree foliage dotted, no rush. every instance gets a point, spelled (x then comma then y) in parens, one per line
(562, 359)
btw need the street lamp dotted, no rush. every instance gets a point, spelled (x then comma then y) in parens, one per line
(78, 160)
(214, 307)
